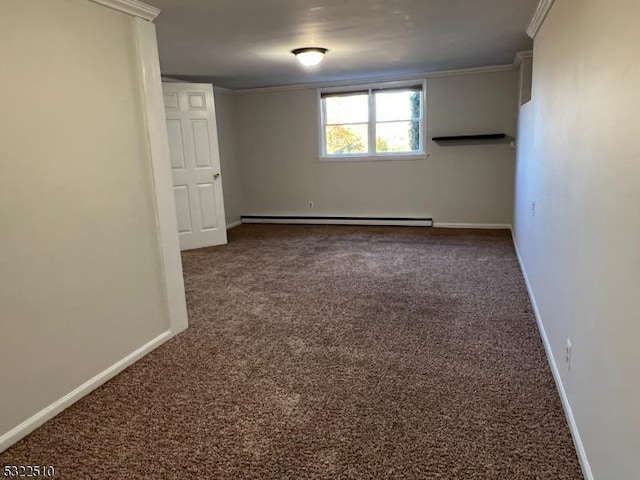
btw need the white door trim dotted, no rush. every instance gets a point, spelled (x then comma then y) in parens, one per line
(163, 183)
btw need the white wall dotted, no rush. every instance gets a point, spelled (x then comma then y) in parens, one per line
(579, 160)
(225, 118)
(277, 146)
(81, 281)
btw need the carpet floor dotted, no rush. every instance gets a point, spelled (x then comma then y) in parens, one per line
(331, 352)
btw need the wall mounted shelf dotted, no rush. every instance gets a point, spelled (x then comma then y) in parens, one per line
(473, 139)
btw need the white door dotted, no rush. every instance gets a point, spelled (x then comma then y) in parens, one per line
(195, 164)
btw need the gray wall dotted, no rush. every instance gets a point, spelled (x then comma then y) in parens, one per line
(579, 161)
(81, 282)
(277, 148)
(225, 119)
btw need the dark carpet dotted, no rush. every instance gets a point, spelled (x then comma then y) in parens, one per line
(331, 352)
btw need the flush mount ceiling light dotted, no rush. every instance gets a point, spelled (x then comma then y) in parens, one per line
(309, 56)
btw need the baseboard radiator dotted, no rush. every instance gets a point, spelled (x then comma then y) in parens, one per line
(313, 220)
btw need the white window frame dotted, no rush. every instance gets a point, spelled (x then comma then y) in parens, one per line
(372, 155)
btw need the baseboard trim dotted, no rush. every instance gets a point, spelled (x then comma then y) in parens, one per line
(234, 224)
(491, 226)
(568, 412)
(25, 428)
(372, 221)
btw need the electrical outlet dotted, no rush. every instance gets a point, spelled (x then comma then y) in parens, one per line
(533, 208)
(567, 355)
(310, 204)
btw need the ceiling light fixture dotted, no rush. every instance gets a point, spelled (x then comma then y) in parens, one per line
(309, 56)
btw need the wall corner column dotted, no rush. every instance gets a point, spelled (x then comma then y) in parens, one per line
(163, 184)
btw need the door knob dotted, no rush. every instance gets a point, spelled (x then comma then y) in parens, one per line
(216, 175)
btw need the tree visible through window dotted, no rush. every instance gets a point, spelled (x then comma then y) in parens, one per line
(373, 122)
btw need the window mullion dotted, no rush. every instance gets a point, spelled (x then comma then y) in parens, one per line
(372, 123)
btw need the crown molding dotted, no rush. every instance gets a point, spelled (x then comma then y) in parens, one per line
(538, 17)
(134, 8)
(379, 79)
(520, 57)
(220, 90)
(171, 79)
(223, 91)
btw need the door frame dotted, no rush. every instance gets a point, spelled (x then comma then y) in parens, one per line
(163, 183)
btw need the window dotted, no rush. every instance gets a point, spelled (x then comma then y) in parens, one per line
(381, 121)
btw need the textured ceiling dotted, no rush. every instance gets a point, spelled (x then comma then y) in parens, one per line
(247, 43)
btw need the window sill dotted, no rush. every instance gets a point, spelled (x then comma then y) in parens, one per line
(374, 158)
